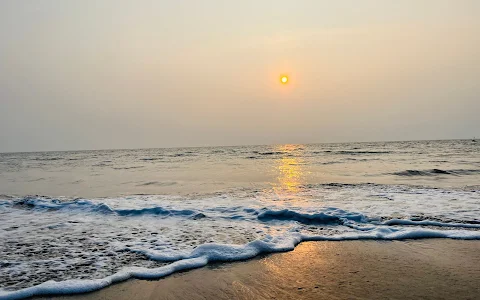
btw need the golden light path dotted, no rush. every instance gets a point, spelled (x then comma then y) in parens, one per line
(291, 174)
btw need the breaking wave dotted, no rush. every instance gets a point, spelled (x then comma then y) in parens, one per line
(93, 243)
(436, 172)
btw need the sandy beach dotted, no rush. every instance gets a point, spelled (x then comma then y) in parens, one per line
(412, 269)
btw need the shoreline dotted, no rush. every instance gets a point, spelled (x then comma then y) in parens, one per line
(427, 269)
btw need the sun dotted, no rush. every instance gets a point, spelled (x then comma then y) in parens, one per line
(284, 79)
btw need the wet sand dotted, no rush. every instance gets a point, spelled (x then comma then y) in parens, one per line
(414, 269)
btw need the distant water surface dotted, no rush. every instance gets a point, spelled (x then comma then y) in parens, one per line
(107, 173)
(86, 219)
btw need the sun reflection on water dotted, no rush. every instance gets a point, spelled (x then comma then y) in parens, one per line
(291, 174)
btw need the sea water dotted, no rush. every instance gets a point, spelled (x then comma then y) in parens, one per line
(78, 221)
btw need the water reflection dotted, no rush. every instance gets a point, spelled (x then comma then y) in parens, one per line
(290, 170)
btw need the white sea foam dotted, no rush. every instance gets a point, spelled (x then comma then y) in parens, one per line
(204, 254)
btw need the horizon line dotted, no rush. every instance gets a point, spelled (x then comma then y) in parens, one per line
(244, 145)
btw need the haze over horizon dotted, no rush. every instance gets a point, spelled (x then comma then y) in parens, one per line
(146, 74)
(239, 145)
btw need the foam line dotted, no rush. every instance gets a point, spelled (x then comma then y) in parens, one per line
(206, 253)
(429, 223)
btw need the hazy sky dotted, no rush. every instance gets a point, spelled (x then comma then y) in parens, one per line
(95, 74)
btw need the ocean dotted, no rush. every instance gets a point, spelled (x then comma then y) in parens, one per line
(78, 221)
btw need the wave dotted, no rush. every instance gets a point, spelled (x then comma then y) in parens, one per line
(351, 152)
(188, 153)
(362, 152)
(157, 183)
(208, 253)
(271, 153)
(330, 216)
(102, 164)
(431, 223)
(56, 204)
(96, 207)
(128, 168)
(436, 172)
(323, 215)
(48, 158)
(158, 211)
(197, 220)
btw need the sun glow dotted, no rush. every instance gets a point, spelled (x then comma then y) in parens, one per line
(284, 79)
